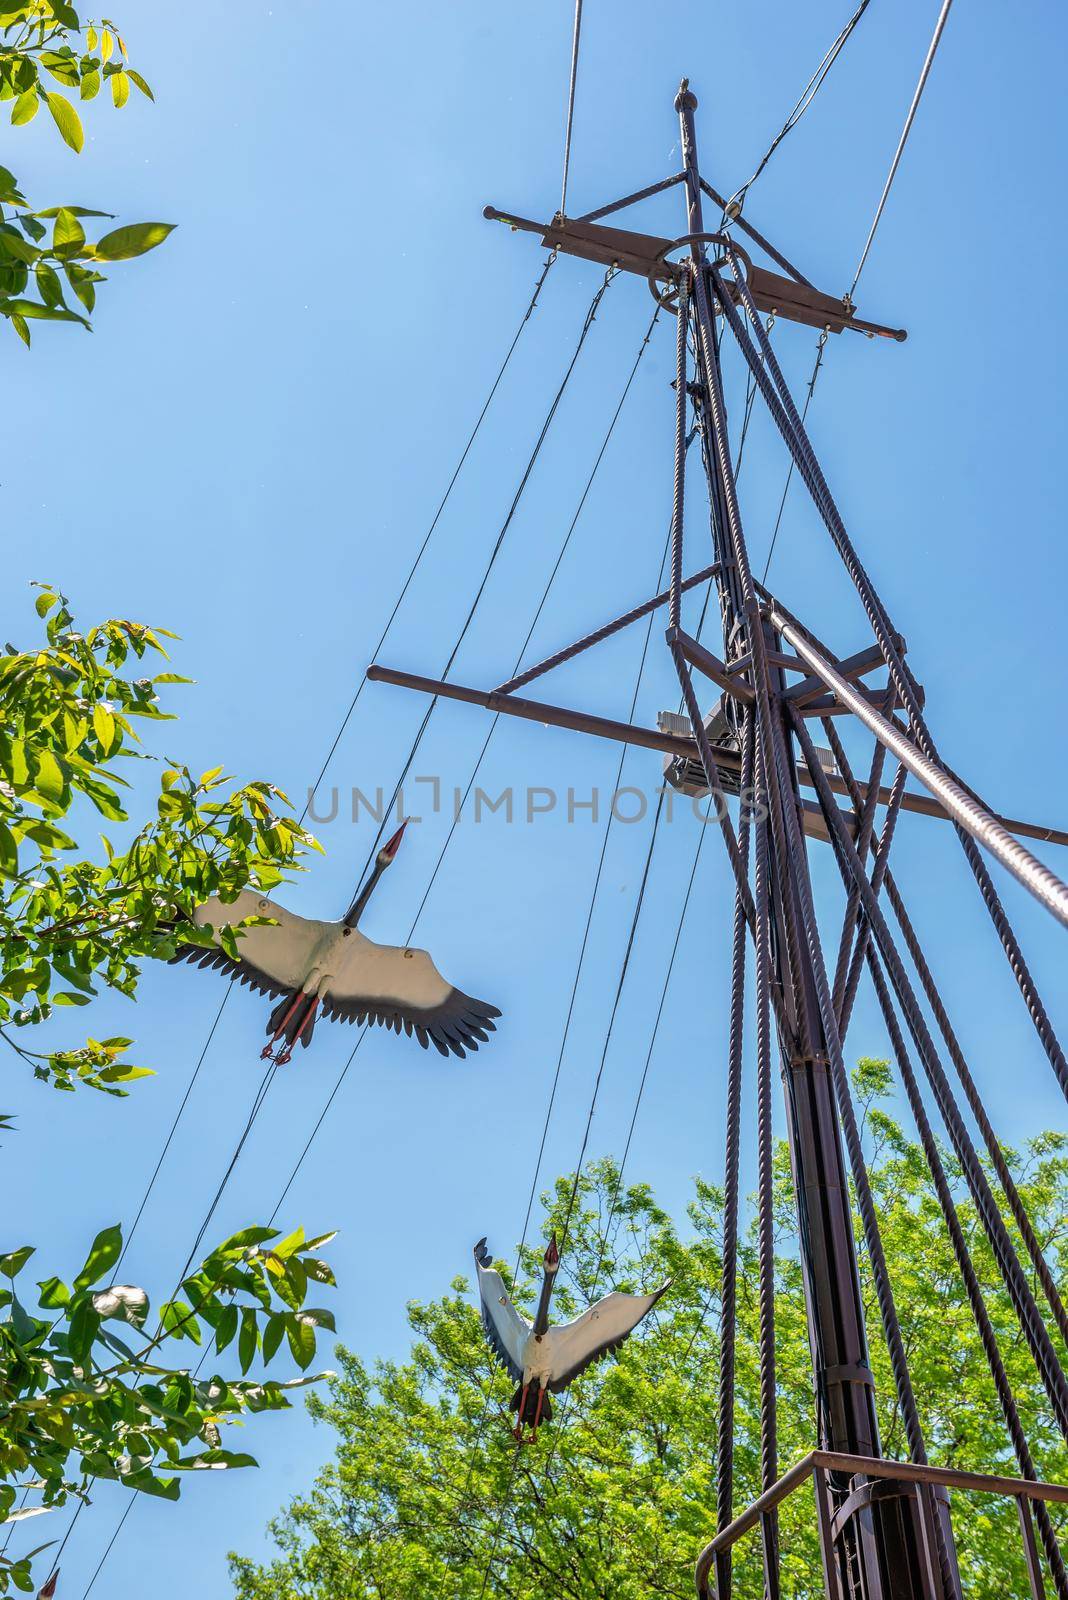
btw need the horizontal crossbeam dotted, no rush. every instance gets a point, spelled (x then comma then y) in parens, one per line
(852, 667)
(652, 739)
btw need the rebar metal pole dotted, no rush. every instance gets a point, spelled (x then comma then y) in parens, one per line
(878, 1553)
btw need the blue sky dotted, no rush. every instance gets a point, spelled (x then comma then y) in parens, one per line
(249, 449)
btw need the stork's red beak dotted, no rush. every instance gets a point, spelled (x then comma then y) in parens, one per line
(391, 846)
(552, 1255)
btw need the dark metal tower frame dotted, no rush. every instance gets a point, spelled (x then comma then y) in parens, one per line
(885, 1534)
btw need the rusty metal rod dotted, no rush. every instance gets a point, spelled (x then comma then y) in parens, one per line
(984, 828)
(749, 1518)
(699, 656)
(758, 238)
(948, 1477)
(557, 716)
(605, 632)
(631, 199)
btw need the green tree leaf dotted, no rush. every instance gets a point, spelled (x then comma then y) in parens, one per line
(300, 1332)
(123, 244)
(12, 1264)
(68, 235)
(54, 1294)
(66, 119)
(105, 1251)
(25, 108)
(42, 313)
(48, 285)
(82, 1331)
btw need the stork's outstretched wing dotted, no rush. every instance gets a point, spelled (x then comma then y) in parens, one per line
(601, 1329)
(274, 959)
(402, 988)
(506, 1329)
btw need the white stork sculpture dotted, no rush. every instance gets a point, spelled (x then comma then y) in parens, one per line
(332, 966)
(545, 1360)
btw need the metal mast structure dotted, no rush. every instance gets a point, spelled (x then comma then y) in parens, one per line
(885, 1527)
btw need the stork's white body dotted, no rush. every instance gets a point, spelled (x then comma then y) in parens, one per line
(326, 958)
(349, 976)
(554, 1358)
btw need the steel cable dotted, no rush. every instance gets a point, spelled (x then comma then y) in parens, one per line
(769, 1443)
(571, 105)
(787, 420)
(326, 762)
(228, 1172)
(945, 1026)
(980, 1314)
(590, 317)
(652, 1042)
(731, 1156)
(787, 844)
(808, 94)
(1031, 1322)
(843, 1093)
(480, 1425)
(974, 1099)
(539, 285)
(899, 152)
(865, 831)
(563, 1043)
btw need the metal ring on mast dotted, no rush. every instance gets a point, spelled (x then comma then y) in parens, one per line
(671, 269)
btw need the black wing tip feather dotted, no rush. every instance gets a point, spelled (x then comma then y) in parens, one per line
(212, 957)
(460, 1025)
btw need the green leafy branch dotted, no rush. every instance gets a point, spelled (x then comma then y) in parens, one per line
(38, 38)
(68, 717)
(81, 1402)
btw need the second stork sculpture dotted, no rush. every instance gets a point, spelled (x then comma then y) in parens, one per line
(544, 1360)
(307, 965)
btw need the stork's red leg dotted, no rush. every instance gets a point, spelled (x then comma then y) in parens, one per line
(268, 1049)
(517, 1431)
(304, 1023)
(537, 1414)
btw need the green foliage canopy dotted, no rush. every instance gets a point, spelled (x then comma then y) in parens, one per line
(618, 1495)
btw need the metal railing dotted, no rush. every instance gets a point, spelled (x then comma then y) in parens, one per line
(818, 1463)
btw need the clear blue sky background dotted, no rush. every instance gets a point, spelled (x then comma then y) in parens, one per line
(249, 449)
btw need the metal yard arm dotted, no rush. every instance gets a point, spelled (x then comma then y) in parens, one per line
(652, 739)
